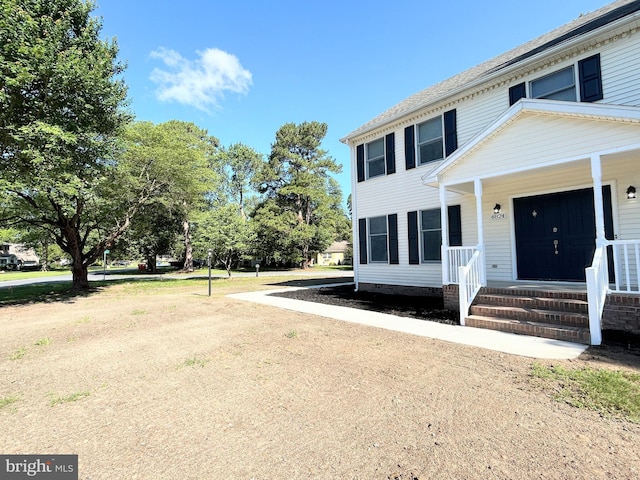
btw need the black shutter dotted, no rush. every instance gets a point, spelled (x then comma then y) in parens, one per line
(516, 93)
(414, 245)
(455, 226)
(450, 132)
(409, 147)
(360, 162)
(390, 153)
(392, 222)
(590, 79)
(362, 239)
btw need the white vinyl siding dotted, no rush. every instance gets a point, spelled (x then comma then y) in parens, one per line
(519, 144)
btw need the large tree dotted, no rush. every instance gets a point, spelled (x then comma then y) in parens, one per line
(61, 112)
(239, 164)
(302, 201)
(173, 160)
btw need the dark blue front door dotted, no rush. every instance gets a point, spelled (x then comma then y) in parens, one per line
(555, 234)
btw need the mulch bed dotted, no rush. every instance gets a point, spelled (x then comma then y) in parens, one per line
(422, 308)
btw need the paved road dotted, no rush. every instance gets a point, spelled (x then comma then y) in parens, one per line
(120, 274)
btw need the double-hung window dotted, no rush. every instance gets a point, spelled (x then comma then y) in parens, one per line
(560, 85)
(424, 229)
(378, 247)
(579, 82)
(430, 141)
(430, 235)
(375, 158)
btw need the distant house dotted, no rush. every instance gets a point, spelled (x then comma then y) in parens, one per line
(520, 172)
(17, 257)
(334, 254)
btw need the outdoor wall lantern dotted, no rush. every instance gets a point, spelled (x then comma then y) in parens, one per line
(497, 208)
(631, 192)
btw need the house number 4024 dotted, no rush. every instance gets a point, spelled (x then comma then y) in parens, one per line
(498, 216)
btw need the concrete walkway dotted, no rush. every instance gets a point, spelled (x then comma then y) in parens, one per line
(523, 345)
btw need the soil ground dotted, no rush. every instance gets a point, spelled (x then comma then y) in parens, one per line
(168, 383)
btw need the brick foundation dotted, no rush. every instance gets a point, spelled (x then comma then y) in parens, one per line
(451, 297)
(400, 290)
(622, 313)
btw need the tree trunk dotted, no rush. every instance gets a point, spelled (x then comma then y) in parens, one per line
(188, 247)
(79, 267)
(45, 253)
(305, 258)
(80, 275)
(151, 263)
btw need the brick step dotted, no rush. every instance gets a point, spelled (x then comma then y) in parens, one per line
(544, 330)
(524, 292)
(543, 316)
(538, 302)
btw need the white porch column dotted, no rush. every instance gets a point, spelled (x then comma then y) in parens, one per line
(444, 225)
(598, 202)
(477, 188)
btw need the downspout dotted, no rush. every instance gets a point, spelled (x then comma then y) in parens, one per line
(354, 220)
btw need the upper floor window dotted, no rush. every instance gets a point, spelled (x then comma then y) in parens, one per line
(564, 84)
(375, 158)
(560, 85)
(430, 141)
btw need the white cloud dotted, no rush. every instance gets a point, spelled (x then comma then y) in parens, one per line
(201, 82)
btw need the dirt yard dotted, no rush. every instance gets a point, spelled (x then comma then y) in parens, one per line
(169, 383)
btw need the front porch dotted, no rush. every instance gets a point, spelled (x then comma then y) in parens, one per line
(550, 194)
(569, 311)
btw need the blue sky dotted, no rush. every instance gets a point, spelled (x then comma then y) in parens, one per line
(241, 69)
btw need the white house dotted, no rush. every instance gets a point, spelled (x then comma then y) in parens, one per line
(510, 188)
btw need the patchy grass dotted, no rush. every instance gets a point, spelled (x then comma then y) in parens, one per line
(57, 399)
(18, 354)
(613, 393)
(43, 342)
(194, 362)
(6, 401)
(291, 334)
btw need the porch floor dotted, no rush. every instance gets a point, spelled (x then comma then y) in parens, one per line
(540, 286)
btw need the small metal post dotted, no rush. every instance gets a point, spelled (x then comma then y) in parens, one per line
(104, 265)
(257, 268)
(209, 263)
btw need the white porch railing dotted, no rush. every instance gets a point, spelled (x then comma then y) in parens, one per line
(597, 288)
(626, 269)
(471, 278)
(457, 257)
(626, 265)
